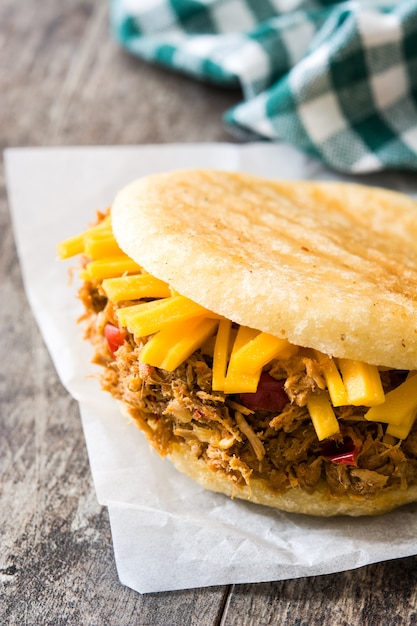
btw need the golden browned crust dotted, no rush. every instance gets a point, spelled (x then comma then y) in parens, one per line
(331, 266)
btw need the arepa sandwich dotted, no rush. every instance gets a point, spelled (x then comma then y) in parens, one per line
(262, 334)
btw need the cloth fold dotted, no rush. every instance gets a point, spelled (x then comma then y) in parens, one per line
(338, 80)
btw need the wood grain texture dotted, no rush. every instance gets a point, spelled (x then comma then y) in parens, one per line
(376, 595)
(64, 81)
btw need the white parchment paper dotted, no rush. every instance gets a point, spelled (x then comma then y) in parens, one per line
(167, 532)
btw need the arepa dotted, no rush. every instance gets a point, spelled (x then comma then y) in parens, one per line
(262, 334)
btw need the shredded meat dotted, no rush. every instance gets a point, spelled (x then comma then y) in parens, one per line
(282, 448)
(302, 377)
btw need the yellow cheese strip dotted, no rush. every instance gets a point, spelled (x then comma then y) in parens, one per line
(169, 347)
(70, 247)
(221, 354)
(241, 383)
(75, 245)
(207, 347)
(323, 417)
(362, 382)
(149, 317)
(135, 287)
(99, 244)
(334, 382)
(259, 351)
(110, 267)
(237, 381)
(189, 342)
(401, 431)
(399, 404)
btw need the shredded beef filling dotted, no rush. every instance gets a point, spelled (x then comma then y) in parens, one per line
(282, 448)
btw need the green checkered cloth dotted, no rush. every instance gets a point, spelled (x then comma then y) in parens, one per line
(338, 80)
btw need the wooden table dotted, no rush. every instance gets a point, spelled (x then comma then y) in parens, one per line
(64, 81)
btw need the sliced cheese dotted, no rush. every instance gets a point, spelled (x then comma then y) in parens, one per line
(334, 382)
(399, 406)
(236, 380)
(150, 317)
(260, 350)
(135, 287)
(401, 431)
(221, 354)
(172, 345)
(362, 382)
(76, 245)
(207, 347)
(71, 247)
(323, 417)
(110, 267)
(100, 243)
(252, 350)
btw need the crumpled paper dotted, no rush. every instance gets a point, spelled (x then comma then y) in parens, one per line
(168, 533)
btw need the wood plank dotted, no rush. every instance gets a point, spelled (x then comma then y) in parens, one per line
(383, 593)
(66, 81)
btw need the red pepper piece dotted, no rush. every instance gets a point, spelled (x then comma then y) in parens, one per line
(114, 337)
(344, 452)
(269, 396)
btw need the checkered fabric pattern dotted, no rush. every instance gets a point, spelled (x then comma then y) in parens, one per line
(338, 80)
